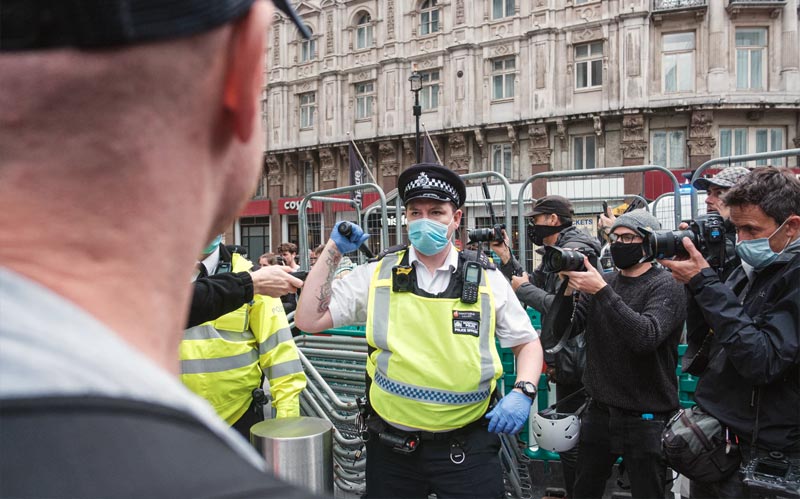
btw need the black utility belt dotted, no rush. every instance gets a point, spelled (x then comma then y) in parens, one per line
(645, 415)
(377, 425)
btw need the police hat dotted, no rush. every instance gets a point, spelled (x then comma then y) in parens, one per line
(31, 25)
(431, 181)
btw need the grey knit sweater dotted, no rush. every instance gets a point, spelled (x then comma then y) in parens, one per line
(632, 333)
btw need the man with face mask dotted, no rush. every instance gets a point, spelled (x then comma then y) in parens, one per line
(633, 320)
(432, 314)
(751, 382)
(552, 226)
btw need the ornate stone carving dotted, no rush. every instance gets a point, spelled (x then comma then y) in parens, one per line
(502, 50)
(329, 174)
(274, 175)
(408, 151)
(458, 144)
(479, 139)
(387, 151)
(512, 134)
(561, 131)
(538, 136)
(458, 164)
(587, 34)
(329, 34)
(702, 146)
(539, 156)
(598, 125)
(276, 44)
(460, 14)
(633, 150)
(390, 20)
(326, 158)
(700, 126)
(633, 128)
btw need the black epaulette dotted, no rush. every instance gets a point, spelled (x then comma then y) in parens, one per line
(388, 251)
(477, 256)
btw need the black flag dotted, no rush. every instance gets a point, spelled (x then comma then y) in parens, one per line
(356, 171)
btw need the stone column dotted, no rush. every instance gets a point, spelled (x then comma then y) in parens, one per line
(718, 48)
(539, 155)
(790, 65)
(701, 142)
(634, 149)
(275, 185)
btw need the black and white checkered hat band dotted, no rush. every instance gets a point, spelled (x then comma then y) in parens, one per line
(424, 182)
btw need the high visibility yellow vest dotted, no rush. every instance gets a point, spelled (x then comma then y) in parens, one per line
(222, 360)
(435, 363)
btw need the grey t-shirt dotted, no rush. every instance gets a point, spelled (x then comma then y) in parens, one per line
(51, 347)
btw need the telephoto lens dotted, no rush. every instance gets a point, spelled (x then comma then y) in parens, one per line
(561, 259)
(667, 243)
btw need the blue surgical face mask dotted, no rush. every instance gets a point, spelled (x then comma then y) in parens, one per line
(213, 245)
(428, 236)
(757, 252)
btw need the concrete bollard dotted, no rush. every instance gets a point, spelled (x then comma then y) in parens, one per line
(297, 450)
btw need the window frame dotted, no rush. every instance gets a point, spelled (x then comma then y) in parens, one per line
(751, 143)
(750, 50)
(506, 150)
(308, 109)
(507, 9)
(430, 90)
(364, 25)
(308, 48)
(428, 9)
(309, 176)
(676, 54)
(588, 60)
(504, 74)
(364, 100)
(669, 162)
(573, 147)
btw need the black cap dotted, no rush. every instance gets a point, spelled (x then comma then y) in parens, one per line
(431, 181)
(559, 205)
(41, 24)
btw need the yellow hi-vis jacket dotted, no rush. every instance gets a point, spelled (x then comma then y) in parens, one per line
(222, 360)
(435, 363)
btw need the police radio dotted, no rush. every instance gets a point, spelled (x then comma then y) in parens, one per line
(223, 268)
(472, 279)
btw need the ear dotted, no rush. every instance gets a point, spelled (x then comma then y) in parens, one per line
(793, 226)
(243, 80)
(457, 217)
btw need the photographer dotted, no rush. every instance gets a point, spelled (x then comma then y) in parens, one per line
(552, 226)
(751, 383)
(633, 320)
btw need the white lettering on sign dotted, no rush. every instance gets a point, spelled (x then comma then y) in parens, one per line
(294, 205)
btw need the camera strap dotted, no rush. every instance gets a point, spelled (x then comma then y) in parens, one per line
(568, 331)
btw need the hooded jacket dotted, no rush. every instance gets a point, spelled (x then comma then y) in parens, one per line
(753, 373)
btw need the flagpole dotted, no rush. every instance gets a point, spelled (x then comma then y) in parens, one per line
(428, 136)
(366, 166)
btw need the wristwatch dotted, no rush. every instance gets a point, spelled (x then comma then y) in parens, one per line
(527, 388)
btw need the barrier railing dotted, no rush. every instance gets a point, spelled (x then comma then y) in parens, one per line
(730, 160)
(302, 216)
(587, 173)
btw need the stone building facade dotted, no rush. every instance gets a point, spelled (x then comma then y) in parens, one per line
(519, 87)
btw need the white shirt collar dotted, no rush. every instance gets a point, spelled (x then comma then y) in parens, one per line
(211, 262)
(450, 263)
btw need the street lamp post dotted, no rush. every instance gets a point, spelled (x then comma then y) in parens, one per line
(416, 85)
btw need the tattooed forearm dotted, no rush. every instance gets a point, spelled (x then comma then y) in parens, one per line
(332, 260)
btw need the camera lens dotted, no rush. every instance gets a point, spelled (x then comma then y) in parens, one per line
(669, 243)
(480, 235)
(559, 260)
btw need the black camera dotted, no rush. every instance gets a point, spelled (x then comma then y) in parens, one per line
(706, 232)
(773, 475)
(493, 234)
(561, 259)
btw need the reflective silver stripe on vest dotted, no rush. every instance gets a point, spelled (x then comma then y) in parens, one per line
(386, 270)
(380, 337)
(284, 369)
(423, 394)
(222, 364)
(209, 332)
(280, 336)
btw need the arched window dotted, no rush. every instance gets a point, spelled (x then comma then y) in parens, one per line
(308, 48)
(429, 17)
(364, 31)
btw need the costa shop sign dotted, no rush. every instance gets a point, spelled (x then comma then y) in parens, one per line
(289, 206)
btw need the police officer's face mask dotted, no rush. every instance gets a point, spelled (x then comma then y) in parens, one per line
(429, 237)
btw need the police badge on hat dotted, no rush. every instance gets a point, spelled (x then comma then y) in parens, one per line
(431, 181)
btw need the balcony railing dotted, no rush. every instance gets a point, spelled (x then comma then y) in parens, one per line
(758, 2)
(663, 5)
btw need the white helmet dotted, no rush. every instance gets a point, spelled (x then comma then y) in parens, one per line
(556, 431)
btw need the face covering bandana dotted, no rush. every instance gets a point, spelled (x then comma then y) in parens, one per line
(757, 252)
(626, 256)
(213, 245)
(537, 233)
(427, 236)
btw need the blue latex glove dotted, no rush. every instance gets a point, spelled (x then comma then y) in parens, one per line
(351, 243)
(510, 413)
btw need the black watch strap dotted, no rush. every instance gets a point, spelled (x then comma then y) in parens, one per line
(527, 387)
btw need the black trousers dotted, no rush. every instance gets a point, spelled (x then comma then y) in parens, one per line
(429, 469)
(569, 458)
(608, 433)
(248, 419)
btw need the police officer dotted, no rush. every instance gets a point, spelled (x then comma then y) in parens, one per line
(225, 360)
(432, 314)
